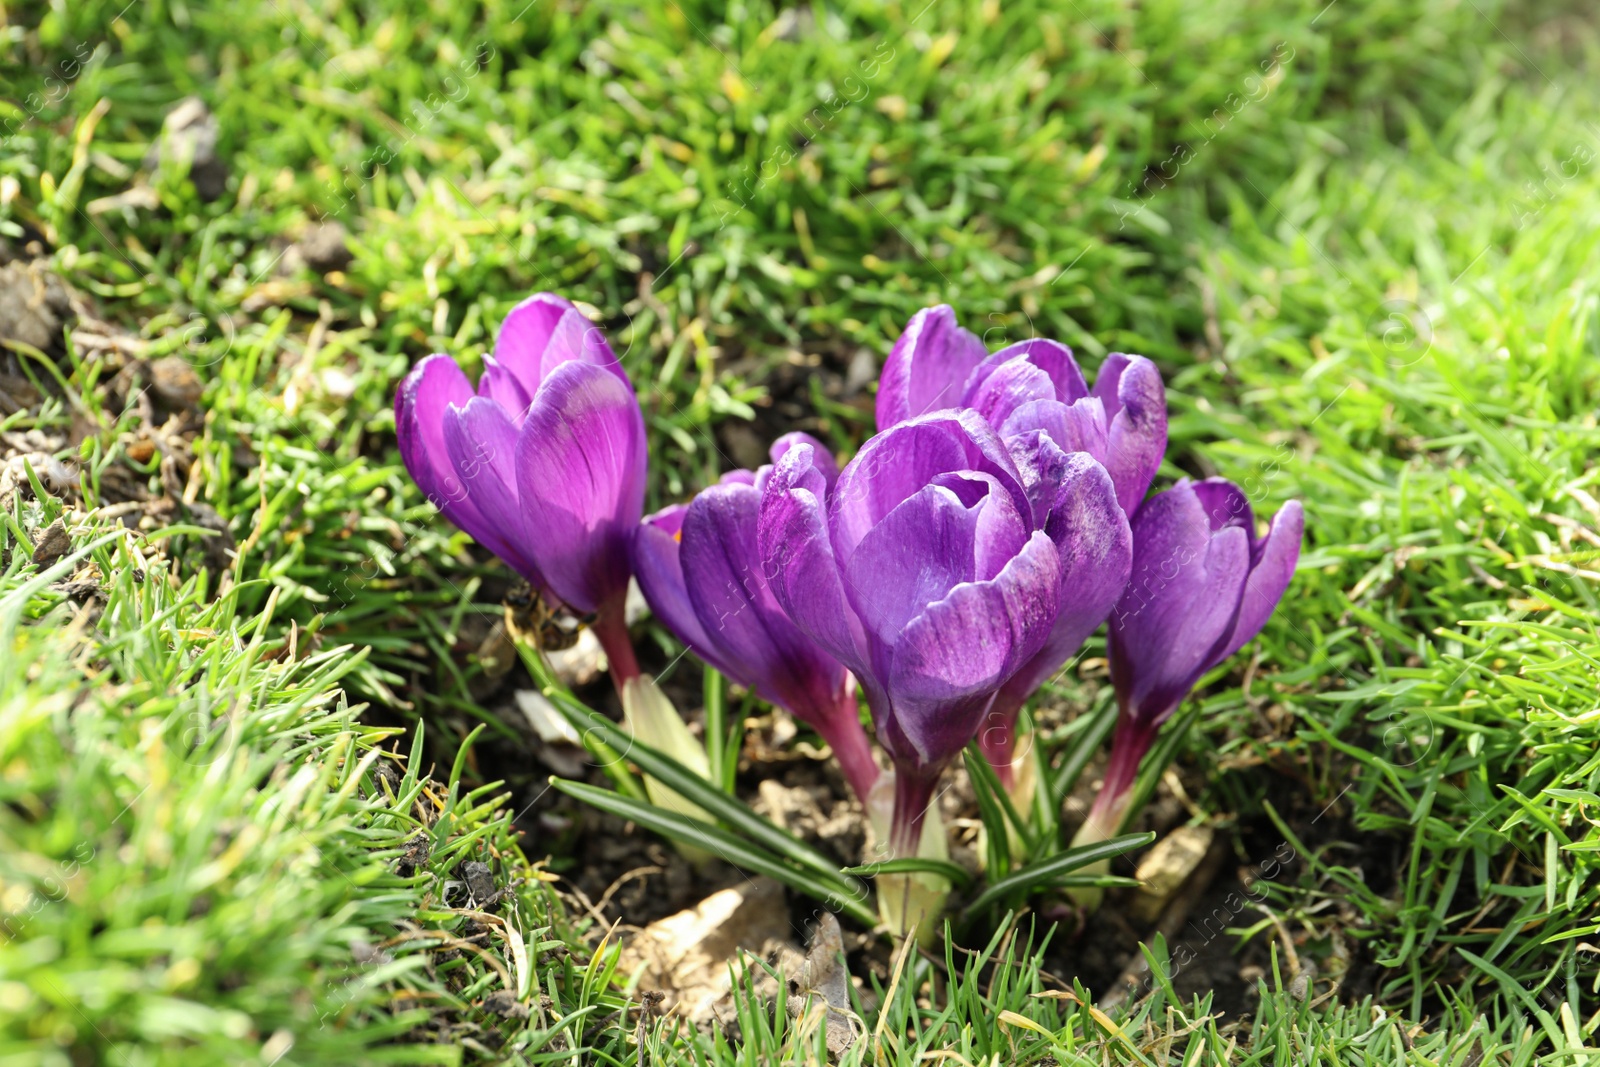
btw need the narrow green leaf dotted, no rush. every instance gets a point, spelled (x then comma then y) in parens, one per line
(1040, 875)
(1098, 881)
(734, 743)
(984, 778)
(1042, 807)
(913, 865)
(608, 757)
(836, 892)
(997, 846)
(1077, 758)
(697, 790)
(716, 701)
(1517, 991)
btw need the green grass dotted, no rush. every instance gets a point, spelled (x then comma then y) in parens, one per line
(1369, 279)
(200, 848)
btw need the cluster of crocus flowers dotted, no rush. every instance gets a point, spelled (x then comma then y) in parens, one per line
(955, 564)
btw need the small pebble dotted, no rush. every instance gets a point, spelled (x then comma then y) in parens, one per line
(190, 132)
(175, 383)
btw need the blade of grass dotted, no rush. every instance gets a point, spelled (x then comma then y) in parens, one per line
(1077, 758)
(716, 701)
(996, 843)
(1039, 875)
(984, 779)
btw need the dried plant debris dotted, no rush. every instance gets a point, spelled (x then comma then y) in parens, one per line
(35, 306)
(824, 983)
(174, 382)
(19, 453)
(41, 454)
(504, 1003)
(1167, 867)
(687, 955)
(478, 879)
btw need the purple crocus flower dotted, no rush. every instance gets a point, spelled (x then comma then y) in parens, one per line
(923, 570)
(1203, 585)
(1035, 396)
(544, 464)
(700, 569)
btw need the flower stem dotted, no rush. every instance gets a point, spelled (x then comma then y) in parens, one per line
(844, 735)
(912, 792)
(611, 627)
(1129, 745)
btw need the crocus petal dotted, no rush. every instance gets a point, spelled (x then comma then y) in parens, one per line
(669, 520)
(927, 368)
(821, 457)
(1040, 463)
(504, 388)
(1035, 369)
(524, 335)
(1007, 388)
(1096, 545)
(419, 406)
(1056, 360)
(482, 444)
(1076, 427)
(1178, 611)
(902, 460)
(1003, 529)
(740, 616)
(658, 566)
(1136, 410)
(1224, 503)
(576, 339)
(580, 473)
(952, 657)
(1041, 433)
(1272, 563)
(427, 394)
(798, 560)
(919, 552)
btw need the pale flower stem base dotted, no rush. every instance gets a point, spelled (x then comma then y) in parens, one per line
(912, 904)
(1024, 784)
(652, 720)
(1021, 783)
(1101, 824)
